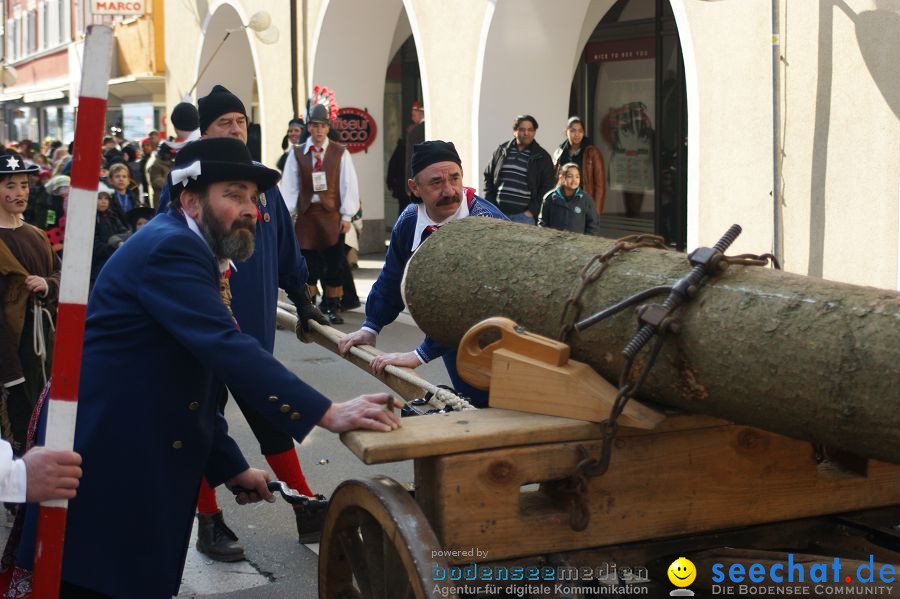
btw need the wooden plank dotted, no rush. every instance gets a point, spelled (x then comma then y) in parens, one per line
(490, 428)
(573, 390)
(658, 485)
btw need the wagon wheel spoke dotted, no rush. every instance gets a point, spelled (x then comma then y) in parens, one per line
(376, 539)
(373, 559)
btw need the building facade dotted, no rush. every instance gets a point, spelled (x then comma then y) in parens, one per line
(43, 41)
(701, 123)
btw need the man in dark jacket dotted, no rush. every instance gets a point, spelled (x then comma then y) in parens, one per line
(157, 430)
(520, 173)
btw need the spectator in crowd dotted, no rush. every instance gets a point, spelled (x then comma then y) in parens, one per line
(138, 217)
(125, 192)
(29, 288)
(110, 231)
(291, 139)
(147, 150)
(132, 153)
(567, 207)
(519, 174)
(579, 148)
(58, 188)
(158, 169)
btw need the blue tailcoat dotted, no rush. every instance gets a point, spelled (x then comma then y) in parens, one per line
(157, 332)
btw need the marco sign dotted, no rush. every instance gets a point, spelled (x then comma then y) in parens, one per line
(130, 8)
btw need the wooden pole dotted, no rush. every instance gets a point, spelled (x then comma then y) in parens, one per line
(796, 355)
(73, 292)
(402, 380)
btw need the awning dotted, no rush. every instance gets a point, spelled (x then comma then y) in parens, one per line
(44, 96)
(132, 88)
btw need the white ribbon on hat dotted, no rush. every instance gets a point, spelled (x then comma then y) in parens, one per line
(191, 171)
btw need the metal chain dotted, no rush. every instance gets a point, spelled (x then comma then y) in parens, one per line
(706, 262)
(593, 270)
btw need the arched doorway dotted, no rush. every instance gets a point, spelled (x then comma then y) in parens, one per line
(629, 86)
(404, 111)
(231, 63)
(353, 44)
(584, 53)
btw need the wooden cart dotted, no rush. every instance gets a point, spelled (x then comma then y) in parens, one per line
(485, 493)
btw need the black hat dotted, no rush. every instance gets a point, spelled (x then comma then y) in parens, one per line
(219, 101)
(295, 121)
(215, 159)
(12, 164)
(135, 214)
(429, 152)
(185, 117)
(319, 114)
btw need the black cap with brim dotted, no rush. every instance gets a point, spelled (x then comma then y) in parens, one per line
(216, 159)
(12, 164)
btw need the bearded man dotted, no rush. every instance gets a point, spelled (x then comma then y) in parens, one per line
(147, 435)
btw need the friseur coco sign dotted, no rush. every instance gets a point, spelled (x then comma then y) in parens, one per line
(355, 129)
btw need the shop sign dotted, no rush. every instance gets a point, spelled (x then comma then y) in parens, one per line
(128, 8)
(618, 50)
(355, 129)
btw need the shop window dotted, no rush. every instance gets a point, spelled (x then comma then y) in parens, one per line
(629, 88)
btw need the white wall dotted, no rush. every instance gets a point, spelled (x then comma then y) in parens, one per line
(528, 64)
(351, 53)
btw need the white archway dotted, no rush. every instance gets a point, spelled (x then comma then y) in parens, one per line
(351, 47)
(235, 65)
(536, 80)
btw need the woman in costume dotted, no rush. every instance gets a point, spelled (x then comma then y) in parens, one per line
(29, 289)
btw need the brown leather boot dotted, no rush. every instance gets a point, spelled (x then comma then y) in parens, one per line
(216, 540)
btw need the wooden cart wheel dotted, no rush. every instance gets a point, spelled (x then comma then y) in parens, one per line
(376, 543)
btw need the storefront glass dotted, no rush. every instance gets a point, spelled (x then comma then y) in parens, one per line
(629, 87)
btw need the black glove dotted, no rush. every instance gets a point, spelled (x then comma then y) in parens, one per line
(306, 310)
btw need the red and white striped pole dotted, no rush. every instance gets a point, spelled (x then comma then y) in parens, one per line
(73, 293)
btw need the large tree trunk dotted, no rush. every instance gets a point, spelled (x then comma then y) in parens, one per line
(796, 355)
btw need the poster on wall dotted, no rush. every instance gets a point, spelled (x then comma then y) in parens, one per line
(630, 133)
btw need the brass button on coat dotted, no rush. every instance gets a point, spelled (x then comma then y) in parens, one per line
(285, 408)
(194, 406)
(273, 398)
(295, 416)
(177, 445)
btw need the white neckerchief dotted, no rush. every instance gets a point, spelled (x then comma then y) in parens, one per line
(193, 226)
(423, 220)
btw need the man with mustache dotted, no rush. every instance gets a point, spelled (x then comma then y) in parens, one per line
(147, 435)
(438, 196)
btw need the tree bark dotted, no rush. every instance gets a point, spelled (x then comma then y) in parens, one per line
(796, 355)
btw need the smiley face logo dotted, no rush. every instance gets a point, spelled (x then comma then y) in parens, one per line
(682, 572)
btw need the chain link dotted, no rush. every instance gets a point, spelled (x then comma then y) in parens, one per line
(576, 485)
(593, 270)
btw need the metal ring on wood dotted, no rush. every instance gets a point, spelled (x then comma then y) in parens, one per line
(376, 542)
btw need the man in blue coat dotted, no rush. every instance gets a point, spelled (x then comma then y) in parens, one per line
(276, 263)
(147, 435)
(438, 197)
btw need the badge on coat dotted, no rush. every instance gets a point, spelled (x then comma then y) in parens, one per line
(577, 209)
(266, 217)
(319, 182)
(262, 199)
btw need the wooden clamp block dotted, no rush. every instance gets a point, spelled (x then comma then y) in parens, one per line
(532, 373)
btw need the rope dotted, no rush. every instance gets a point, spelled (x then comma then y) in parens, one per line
(38, 342)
